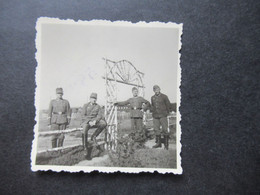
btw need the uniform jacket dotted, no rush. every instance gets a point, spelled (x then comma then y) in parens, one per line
(135, 106)
(160, 105)
(59, 111)
(91, 112)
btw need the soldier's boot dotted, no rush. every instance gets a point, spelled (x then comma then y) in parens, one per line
(157, 138)
(95, 134)
(94, 139)
(85, 141)
(159, 143)
(60, 142)
(54, 143)
(88, 155)
(166, 142)
(85, 144)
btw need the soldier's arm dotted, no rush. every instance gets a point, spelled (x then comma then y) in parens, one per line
(68, 111)
(152, 105)
(99, 115)
(50, 112)
(123, 103)
(146, 102)
(167, 103)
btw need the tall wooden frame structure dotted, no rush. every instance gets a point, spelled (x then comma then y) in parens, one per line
(123, 72)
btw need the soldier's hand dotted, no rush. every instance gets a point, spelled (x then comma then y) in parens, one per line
(49, 121)
(49, 125)
(91, 123)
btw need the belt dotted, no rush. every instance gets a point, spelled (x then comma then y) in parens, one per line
(136, 108)
(58, 112)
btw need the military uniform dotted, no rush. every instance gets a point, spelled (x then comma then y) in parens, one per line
(92, 112)
(135, 113)
(59, 118)
(160, 109)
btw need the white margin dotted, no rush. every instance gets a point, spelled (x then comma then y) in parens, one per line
(88, 169)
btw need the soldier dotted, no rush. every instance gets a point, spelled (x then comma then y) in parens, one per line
(160, 110)
(136, 103)
(92, 118)
(59, 117)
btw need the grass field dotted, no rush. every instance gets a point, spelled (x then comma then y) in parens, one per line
(128, 153)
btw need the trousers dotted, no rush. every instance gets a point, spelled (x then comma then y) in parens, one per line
(137, 124)
(158, 123)
(58, 127)
(100, 125)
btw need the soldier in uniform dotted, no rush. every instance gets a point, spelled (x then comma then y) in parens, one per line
(136, 103)
(59, 117)
(160, 109)
(92, 118)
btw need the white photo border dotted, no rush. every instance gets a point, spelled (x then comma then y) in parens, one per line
(88, 169)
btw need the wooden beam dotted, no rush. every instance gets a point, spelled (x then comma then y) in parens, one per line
(59, 131)
(119, 81)
(99, 142)
(59, 148)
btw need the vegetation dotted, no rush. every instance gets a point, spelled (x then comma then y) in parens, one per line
(129, 152)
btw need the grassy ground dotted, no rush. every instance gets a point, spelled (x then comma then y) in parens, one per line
(128, 154)
(68, 157)
(138, 156)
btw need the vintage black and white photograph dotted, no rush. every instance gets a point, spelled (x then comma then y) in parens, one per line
(107, 96)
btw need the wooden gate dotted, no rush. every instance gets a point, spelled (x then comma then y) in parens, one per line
(123, 72)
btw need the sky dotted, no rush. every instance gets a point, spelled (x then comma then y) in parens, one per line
(72, 58)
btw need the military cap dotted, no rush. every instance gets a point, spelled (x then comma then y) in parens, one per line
(156, 87)
(93, 95)
(134, 88)
(59, 91)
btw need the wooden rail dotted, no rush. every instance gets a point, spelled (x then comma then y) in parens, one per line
(124, 82)
(59, 148)
(52, 132)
